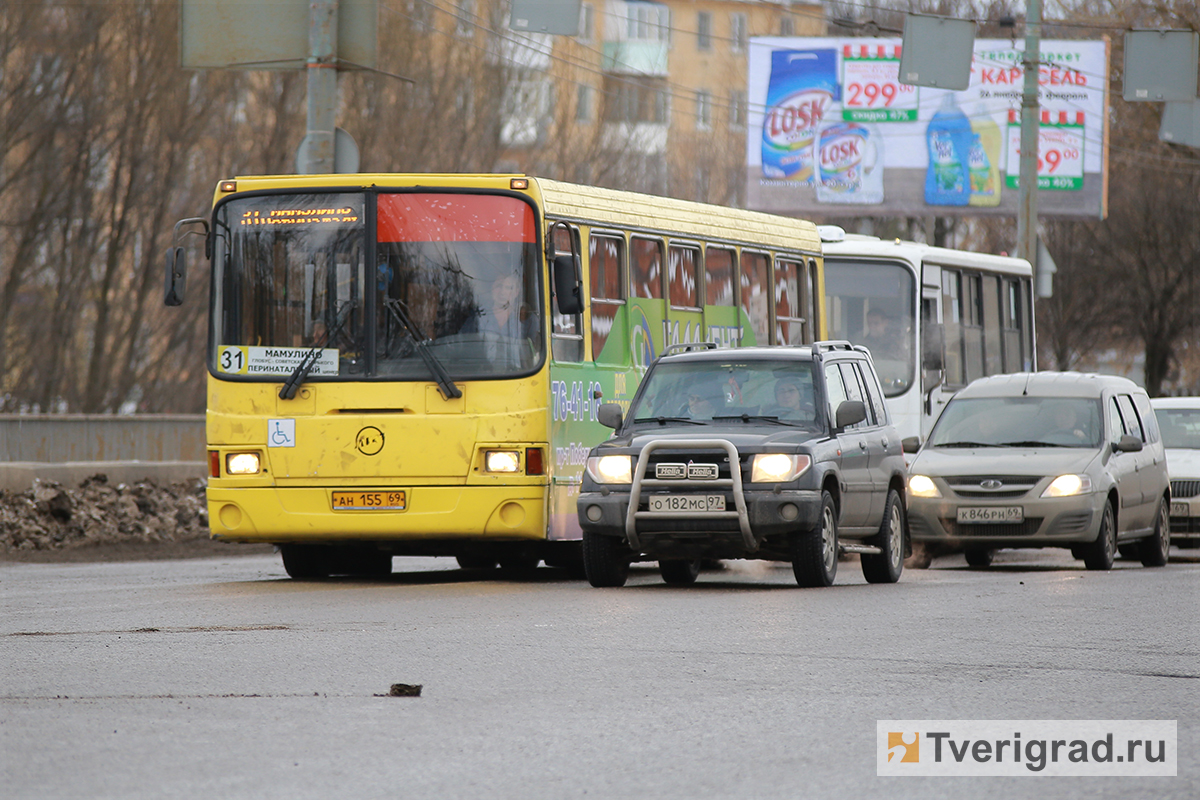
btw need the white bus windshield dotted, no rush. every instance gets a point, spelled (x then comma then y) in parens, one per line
(873, 303)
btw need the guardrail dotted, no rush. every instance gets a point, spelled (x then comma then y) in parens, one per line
(70, 447)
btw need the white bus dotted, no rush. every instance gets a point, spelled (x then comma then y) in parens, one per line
(935, 319)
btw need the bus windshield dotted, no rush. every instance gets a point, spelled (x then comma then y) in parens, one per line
(874, 304)
(455, 277)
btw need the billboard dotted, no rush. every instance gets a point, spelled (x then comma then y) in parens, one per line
(832, 131)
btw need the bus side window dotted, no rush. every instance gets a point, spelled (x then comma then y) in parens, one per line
(683, 279)
(647, 268)
(566, 339)
(1011, 323)
(790, 309)
(992, 340)
(755, 295)
(952, 319)
(718, 267)
(606, 263)
(973, 326)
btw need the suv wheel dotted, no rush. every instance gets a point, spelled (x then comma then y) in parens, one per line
(605, 560)
(1099, 554)
(1155, 549)
(887, 566)
(679, 572)
(815, 552)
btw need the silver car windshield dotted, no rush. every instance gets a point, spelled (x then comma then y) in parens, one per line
(1019, 422)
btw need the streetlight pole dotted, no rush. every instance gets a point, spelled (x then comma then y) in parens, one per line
(322, 86)
(1027, 216)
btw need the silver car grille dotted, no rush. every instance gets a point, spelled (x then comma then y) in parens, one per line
(1182, 489)
(985, 487)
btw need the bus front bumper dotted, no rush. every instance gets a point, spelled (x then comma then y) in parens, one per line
(281, 515)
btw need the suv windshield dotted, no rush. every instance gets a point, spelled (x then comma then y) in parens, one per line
(704, 390)
(455, 276)
(1019, 422)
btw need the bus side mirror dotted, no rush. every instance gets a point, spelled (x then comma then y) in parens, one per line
(933, 345)
(176, 276)
(567, 285)
(609, 415)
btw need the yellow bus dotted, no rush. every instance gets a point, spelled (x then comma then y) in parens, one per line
(412, 364)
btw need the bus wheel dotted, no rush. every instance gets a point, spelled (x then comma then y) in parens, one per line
(605, 560)
(306, 561)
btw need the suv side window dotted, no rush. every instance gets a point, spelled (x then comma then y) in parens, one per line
(1132, 424)
(835, 390)
(855, 391)
(874, 394)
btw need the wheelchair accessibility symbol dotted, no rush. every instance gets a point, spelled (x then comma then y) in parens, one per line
(281, 433)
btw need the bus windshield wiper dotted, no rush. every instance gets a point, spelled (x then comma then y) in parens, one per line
(288, 390)
(396, 308)
(665, 420)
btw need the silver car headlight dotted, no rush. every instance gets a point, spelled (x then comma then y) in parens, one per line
(778, 467)
(610, 469)
(1068, 486)
(922, 486)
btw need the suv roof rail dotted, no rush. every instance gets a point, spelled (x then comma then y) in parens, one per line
(684, 347)
(830, 346)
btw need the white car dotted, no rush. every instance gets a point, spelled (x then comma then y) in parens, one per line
(1179, 420)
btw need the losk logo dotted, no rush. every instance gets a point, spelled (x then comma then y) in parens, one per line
(904, 747)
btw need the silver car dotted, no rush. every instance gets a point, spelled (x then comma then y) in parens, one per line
(1179, 420)
(1044, 459)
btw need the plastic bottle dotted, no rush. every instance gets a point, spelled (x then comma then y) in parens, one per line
(984, 159)
(802, 89)
(849, 163)
(949, 137)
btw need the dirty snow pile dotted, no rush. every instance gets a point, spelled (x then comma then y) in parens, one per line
(53, 517)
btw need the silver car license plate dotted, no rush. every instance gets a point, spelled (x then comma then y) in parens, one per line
(976, 514)
(687, 502)
(1179, 509)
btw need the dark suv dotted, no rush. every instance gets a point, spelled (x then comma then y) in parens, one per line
(775, 453)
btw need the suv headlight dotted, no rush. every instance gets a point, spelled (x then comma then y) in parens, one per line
(610, 469)
(922, 486)
(1068, 486)
(778, 467)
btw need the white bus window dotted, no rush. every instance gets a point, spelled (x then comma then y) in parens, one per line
(992, 340)
(873, 303)
(952, 318)
(606, 262)
(973, 327)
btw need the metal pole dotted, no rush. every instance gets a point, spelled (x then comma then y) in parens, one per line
(322, 85)
(1027, 216)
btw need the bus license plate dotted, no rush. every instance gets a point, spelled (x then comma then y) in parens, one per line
(988, 514)
(687, 502)
(1179, 509)
(370, 501)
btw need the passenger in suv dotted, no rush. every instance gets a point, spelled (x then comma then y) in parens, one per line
(774, 453)
(1045, 459)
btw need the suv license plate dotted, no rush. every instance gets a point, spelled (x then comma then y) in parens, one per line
(1179, 509)
(991, 514)
(687, 502)
(370, 501)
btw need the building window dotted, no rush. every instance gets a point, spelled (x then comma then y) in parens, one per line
(737, 108)
(704, 30)
(703, 110)
(648, 22)
(787, 26)
(738, 32)
(583, 104)
(587, 22)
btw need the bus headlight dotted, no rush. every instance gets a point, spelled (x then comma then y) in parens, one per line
(241, 464)
(922, 486)
(501, 461)
(778, 467)
(610, 469)
(1068, 486)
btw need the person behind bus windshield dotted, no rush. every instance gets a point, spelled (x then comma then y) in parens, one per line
(880, 337)
(506, 315)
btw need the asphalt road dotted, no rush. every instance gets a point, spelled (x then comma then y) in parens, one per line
(220, 677)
